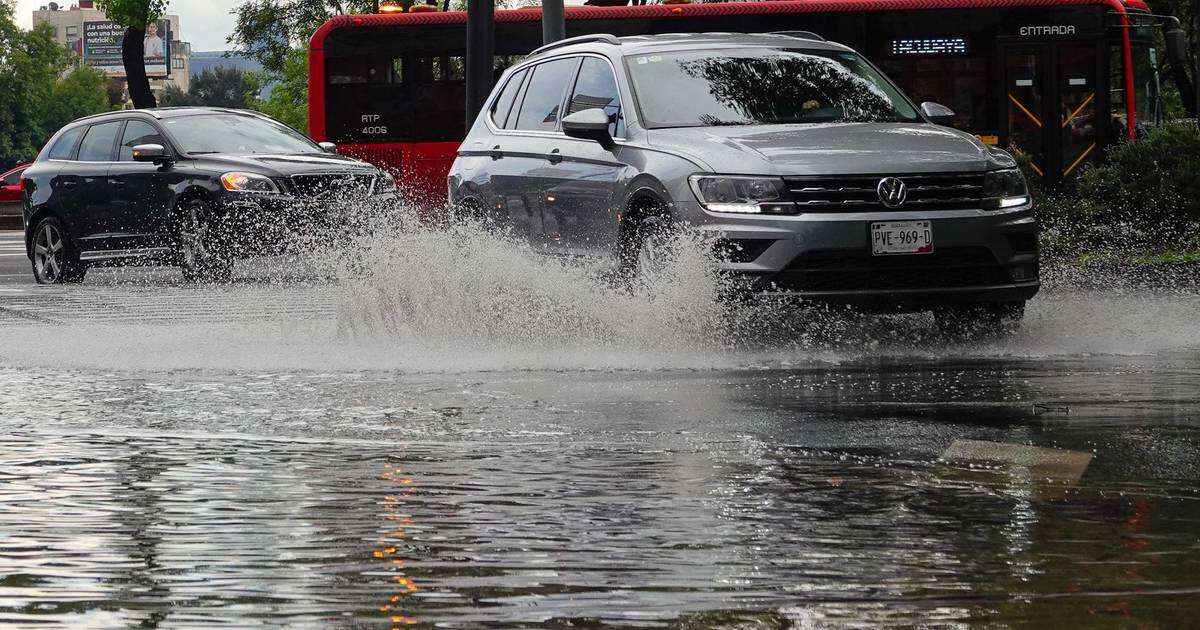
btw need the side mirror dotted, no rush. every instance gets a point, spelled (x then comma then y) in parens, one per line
(937, 113)
(589, 124)
(328, 147)
(156, 153)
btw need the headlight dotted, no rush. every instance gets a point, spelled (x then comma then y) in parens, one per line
(1004, 189)
(731, 193)
(248, 182)
(385, 184)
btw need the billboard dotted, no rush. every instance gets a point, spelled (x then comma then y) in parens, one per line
(102, 47)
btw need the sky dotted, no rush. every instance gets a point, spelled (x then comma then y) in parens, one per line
(205, 23)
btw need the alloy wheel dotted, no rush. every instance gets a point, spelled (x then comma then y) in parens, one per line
(49, 255)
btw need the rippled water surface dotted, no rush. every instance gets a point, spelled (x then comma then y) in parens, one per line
(309, 453)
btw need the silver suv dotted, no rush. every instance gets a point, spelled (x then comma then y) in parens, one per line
(815, 175)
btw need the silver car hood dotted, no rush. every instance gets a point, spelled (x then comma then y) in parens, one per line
(828, 149)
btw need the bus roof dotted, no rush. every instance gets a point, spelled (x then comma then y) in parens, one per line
(699, 10)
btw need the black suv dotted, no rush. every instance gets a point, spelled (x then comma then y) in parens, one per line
(186, 186)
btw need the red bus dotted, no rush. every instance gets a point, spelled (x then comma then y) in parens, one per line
(1056, 80)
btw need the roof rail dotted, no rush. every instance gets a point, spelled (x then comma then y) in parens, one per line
(598, 37)
(801, 35)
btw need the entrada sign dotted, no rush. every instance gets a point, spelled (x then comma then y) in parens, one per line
(1041, 31)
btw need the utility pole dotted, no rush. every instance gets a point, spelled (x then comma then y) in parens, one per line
(481, 45)
(554, 25)
(1196, 56)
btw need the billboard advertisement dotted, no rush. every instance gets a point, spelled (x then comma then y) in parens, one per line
(102, 47)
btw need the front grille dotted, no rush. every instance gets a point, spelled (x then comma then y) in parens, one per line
(840, 270)
(857, 193)
(333, 184)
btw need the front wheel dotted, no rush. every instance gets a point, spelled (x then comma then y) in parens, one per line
(54, 259)
(203, 256)
(645, 246)
(977, 321)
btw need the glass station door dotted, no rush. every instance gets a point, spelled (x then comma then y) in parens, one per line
(1051, 99)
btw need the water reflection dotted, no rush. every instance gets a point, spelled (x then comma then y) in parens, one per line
(767, 497)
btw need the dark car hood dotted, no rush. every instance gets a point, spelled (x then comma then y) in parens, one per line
(831, 149)
(288, 165)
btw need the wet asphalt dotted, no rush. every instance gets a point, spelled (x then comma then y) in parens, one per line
(175, 456)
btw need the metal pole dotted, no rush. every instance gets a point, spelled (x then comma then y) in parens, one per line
(554, 25)
(1196, 55)
(481, 44)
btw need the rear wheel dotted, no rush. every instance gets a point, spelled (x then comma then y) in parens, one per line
(54, 259)
(203, 256)
(977, 321)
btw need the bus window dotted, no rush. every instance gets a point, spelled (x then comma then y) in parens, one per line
(415, 97)
(1147, 94)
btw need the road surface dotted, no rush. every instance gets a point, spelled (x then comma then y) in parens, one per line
(429, 447)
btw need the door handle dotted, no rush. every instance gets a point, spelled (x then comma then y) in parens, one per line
(496, 153)
(555, 156)
(117, 183)
(69, 183)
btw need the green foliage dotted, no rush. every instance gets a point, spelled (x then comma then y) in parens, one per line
(217, 87)
(135, 13)
(288, 102)
(80, 93)
(1146, 196)
(268, 30)
(30, 62)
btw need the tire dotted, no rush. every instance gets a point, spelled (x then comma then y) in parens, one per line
(203, 252)
(645, 241)
(53, 256)
(979, 321)
(469, 210)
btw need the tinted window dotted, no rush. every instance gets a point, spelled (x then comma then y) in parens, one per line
(504, 102)
(138, 132)
(64, 147)
(762, 86)
(381, 94)
(596, 87)
(237, 134)
(543, 97)
(13, 178)
(98, 144)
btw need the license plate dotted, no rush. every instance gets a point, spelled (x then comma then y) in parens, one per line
(901, 237)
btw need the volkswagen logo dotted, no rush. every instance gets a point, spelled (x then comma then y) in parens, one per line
(892, 192)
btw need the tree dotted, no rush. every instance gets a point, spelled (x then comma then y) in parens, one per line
(134, 15)
(30, 62)
(80, 93)
(268, 30)
(175, 96)
(288, 101)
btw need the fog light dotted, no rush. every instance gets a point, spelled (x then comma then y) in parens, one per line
(1023, 272)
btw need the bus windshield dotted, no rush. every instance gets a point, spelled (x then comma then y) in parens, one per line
(762, 86)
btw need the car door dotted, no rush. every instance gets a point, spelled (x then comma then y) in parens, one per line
(88, 199)
(526, 151)
(143, 192)
(580, 189)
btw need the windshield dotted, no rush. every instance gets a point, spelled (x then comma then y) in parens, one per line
(762, 86)
(237, 134)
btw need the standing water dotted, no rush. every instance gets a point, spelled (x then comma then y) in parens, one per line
(457, 431)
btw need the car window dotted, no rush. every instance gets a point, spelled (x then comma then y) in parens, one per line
(98, 143)
(137, 132)
(504, 102)
(64, 147)
(13, 178)
(596, 87)
(543, 97)
(762, 86)
(237, 134)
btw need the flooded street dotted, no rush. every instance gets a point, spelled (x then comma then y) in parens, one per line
(289, 451)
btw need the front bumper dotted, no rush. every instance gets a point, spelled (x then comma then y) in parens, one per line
(979, 256)
(264, 220)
